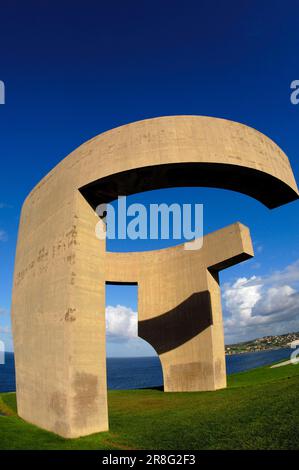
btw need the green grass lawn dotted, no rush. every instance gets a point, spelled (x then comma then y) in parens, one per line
(258, 410)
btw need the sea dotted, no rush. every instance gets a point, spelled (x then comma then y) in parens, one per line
(145, 372)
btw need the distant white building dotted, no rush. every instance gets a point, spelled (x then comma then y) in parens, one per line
(294, 344)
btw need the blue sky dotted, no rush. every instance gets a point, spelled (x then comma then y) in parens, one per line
(73, 70)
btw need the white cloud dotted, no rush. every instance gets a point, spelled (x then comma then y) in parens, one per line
(260, 306)
(288, 275)
(3, 236)
(240, 299)
(121, 323)
(276, 300)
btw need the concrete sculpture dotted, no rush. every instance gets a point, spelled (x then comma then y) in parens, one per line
(58, 308)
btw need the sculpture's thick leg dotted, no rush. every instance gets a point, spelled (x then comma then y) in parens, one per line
(179, 308)
(58, 317)
(188, 335)
(198, 363)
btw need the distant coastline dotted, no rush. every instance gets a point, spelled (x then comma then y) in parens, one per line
(146, 372)
(265, 343)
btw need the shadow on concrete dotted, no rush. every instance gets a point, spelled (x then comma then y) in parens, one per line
(264, 187)
(177, 326)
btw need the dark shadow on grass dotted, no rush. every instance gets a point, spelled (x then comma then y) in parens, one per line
(160, 388)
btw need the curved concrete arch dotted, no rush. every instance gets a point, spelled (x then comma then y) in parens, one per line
(58, 307)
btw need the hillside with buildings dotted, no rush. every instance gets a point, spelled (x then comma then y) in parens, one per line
(262, 344)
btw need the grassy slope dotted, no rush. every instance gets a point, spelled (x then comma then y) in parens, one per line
(259, 410)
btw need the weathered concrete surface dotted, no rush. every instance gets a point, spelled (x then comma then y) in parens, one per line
(58, 307)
